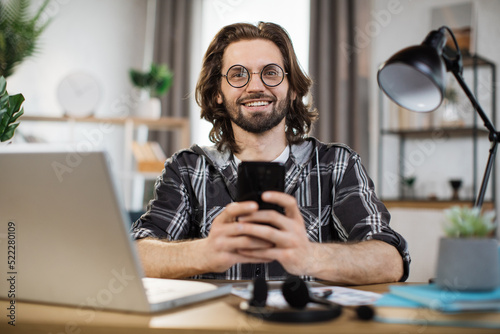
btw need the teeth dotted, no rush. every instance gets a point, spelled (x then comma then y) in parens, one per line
(257, 103)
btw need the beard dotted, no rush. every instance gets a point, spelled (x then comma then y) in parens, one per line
(258, 122)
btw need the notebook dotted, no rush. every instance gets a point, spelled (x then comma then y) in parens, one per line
(448, 300)
(395, 309)
(64, 236)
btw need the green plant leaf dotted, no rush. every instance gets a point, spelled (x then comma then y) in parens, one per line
(4, 118)
(139, 79)
(4, 99)
(10, 112)
(19, 33)
(15, 102)
(463, 222)
(156, 81)
(9, 132)
(17, 115)
(3, 86)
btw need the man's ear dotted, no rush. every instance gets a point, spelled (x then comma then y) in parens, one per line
(220, 100)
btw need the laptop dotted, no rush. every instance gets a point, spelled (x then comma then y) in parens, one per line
(64, 236)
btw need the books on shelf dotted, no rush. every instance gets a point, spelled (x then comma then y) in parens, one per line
(149, 157)
(427, 304)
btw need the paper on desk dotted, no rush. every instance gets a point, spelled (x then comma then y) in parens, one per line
(340, 295)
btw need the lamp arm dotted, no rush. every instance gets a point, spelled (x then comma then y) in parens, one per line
(486, 176)
(477, 107)
(493, 137)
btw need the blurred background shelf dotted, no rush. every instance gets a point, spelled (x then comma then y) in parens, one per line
(432, 204)
(131, 172)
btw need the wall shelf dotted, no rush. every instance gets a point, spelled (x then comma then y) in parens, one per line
(445, 131)
(133, 180)
(432, 204)
(401, 132)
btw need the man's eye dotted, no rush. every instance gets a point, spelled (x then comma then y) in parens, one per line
(237, 75)
(271, 73)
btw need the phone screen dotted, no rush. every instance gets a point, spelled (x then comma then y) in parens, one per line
(255, 177)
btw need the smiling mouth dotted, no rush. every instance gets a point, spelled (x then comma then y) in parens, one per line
(257, 103)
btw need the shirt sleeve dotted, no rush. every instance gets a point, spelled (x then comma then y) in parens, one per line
(362, 213)
(168, 213)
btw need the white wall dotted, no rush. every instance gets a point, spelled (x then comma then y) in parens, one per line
(422, 230)
(104, 38)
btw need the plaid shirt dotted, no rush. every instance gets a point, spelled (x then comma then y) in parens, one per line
(198, 183)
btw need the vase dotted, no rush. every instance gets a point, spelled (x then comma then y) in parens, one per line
(150, 108)
(468, 264)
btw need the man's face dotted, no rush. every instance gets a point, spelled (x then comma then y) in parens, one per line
(254, 107)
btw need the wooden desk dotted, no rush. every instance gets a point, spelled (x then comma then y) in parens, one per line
(216, 316)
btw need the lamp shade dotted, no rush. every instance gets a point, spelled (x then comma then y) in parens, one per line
(414, 78)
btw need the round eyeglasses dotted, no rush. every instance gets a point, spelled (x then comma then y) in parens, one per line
(271, 75)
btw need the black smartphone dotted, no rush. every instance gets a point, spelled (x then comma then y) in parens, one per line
(255, 177)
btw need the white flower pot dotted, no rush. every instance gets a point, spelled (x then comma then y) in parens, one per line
(468, 264)
(150, 108)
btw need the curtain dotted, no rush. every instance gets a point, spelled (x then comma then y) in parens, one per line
(172, 40)
(338, 66)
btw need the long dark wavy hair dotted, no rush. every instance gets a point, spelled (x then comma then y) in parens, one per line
(299, 117)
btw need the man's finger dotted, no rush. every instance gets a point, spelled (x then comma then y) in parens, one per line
(237, 209)
(288, 202)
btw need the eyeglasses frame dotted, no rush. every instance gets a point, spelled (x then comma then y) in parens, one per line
(250, 75)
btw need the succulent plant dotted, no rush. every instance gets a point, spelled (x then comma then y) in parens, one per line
(465, 222)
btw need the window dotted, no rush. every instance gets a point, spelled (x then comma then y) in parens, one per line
(212, 15)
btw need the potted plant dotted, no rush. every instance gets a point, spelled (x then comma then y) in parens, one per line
(468, 256)
(155, 83)
(452, 115)
(19, 33)
(10, 111)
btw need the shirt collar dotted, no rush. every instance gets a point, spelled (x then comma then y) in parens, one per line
(282, 158)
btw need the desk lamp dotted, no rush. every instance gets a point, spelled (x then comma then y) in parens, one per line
(414, 78)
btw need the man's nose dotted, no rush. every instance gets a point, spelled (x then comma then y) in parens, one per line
(255, 83)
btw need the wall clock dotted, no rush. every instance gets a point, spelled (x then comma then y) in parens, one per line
(79, 94)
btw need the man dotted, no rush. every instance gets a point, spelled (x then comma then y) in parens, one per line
(251, 88)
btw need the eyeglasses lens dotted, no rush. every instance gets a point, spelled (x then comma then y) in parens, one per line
(271, 75)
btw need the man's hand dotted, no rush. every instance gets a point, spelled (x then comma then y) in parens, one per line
(220, 249)
(363, 262)
(292, 248)
(215, 253)
(239, 235)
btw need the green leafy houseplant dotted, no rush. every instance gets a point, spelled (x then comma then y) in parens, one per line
(464, 222)
(468, 257)
(156, 81)
(10, 111)
(19, 33)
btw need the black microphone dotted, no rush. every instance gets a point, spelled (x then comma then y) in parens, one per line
(296, 293)
(259, 294)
